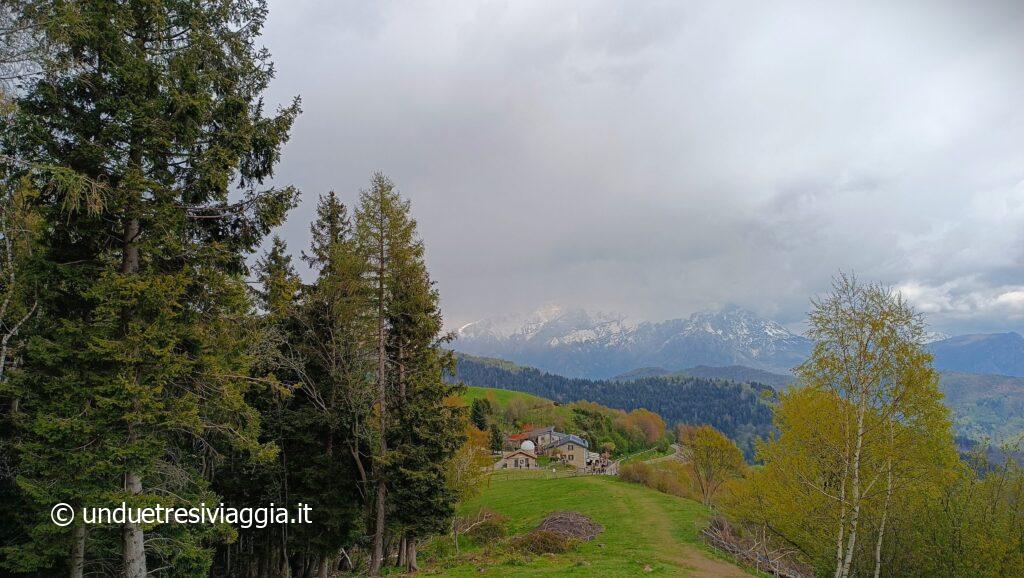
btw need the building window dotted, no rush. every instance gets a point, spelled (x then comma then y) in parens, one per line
(570, 456)
(570, 447)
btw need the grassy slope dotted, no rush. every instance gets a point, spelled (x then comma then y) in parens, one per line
(642, 528)
(502, 396)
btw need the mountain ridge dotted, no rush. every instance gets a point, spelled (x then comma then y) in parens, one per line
(577, 343)
(737, 373)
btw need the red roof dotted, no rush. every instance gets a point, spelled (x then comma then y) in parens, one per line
(517, 437)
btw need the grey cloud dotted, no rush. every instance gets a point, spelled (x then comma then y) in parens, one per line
(657, 158)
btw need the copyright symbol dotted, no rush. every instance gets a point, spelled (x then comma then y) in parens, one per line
(62, 514)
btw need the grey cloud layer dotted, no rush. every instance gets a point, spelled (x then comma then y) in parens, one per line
(661, 157)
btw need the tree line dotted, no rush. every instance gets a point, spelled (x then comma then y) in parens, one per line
(144, 360)
(742, 411)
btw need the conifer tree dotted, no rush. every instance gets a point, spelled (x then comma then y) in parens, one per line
(240, 482)
(496, 440)
(145, 354)
(278, 283)
(421, 500)
(479, 411)
(410, 456)
(334, 360)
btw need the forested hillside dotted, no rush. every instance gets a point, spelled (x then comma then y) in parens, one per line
(985, 406)
(742, 411)
(738, 373)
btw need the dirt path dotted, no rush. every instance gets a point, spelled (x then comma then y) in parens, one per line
(672, 456)
(692, 559)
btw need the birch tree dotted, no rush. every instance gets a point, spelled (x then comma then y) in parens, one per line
(713, 458)
(867, 434)
(868, 353)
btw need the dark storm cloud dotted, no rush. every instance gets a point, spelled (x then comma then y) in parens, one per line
(657, 158)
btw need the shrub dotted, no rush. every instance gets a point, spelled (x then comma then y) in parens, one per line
(482, 527)
(636, 472)
(668, 477)
(544, 542)
(488, 530)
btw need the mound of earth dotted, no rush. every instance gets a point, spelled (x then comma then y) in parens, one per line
(571, 525)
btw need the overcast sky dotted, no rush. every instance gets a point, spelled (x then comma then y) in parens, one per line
(659, 158)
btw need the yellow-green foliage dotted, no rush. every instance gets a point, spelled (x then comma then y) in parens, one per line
(609, 429)
(667, 476)
(713, 458)
(794, 492)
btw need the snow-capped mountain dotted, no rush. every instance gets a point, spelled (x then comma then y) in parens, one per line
(935, 336)
(551, 324)
(575, 342)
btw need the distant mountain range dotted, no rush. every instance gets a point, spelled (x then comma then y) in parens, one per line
(578, 343)
(996, 353)
(982, 375)
(985, 405)
(737, 399)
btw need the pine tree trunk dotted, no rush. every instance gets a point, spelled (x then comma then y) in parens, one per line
(133, 548)
(378, 534)
(410, 556)
(134, 553)
(77, 551)
(401, 553)
(324, 568)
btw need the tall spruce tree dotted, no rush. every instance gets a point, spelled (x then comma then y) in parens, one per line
(330, 441)
(140, 368)
(240, 482)
(410, 458)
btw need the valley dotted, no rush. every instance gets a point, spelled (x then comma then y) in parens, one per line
(740, 410)
(669, 365)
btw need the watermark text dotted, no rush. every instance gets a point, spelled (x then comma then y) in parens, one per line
(245, 518)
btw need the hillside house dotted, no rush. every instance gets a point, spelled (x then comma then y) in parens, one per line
(515, 441)
(517, 460)
(570, 449)
(542, 437)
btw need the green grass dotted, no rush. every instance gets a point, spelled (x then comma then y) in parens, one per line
(647, 455)
(502, 396)
(546, 469)
(532, 409)
(642, 528)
